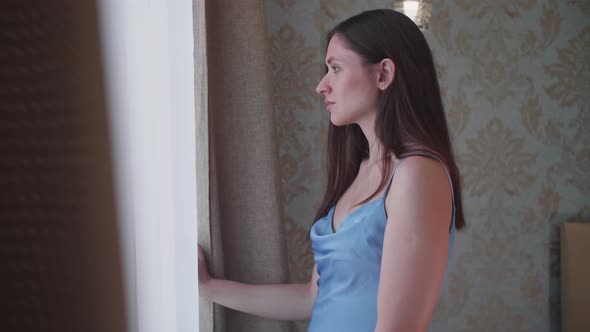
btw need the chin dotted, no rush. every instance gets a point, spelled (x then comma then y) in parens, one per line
(339, 121)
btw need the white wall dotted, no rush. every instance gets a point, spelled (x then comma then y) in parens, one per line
(148, 61)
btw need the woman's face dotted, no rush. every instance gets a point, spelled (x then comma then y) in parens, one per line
(350, 87)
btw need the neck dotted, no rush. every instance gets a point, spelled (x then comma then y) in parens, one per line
(375, 145)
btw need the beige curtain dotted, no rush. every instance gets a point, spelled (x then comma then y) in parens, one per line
(241, 227)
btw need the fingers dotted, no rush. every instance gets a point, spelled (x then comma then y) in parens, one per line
(201, 252)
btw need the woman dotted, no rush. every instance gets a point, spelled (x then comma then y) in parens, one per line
(385, 228)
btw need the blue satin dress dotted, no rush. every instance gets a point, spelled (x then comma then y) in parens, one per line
(349, 263)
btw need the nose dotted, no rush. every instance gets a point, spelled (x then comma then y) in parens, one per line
(323, 87)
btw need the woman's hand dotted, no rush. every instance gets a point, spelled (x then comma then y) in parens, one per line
(274, 301)
(204, 276)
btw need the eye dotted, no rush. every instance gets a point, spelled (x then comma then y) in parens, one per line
(335, 69)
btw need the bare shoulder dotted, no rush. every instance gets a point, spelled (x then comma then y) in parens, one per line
(420, 171)
(419, 166)
(420, 185)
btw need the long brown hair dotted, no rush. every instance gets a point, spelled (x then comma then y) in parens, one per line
(411, 116)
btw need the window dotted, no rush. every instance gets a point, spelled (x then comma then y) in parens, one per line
(149, 70)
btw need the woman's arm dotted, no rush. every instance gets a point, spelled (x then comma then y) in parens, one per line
(274, 301)
(415, 246)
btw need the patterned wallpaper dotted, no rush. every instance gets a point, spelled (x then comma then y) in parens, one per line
(515, 76)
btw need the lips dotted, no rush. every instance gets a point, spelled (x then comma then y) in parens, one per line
(328, 104)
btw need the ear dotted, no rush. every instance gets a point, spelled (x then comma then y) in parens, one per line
(386, 73)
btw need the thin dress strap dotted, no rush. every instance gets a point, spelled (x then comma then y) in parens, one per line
(433, 156)
(391, 179)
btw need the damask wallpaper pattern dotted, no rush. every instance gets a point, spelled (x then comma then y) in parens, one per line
(515, 76)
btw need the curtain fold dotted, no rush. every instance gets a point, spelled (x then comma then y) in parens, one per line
(206, 316)
(243, 230)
